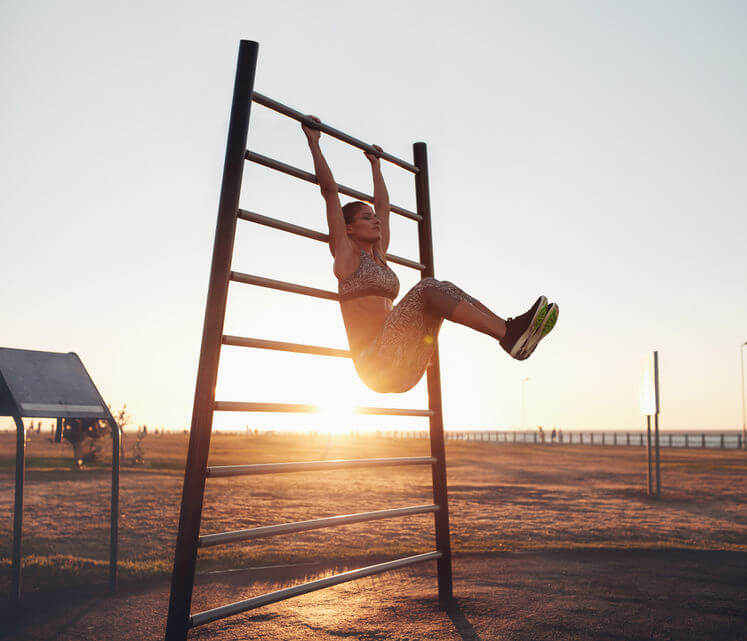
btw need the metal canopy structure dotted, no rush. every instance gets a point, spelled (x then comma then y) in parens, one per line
(180, 619)
(37, 384)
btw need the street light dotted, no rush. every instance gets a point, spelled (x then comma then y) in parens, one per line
(523, 380)
(744, 420)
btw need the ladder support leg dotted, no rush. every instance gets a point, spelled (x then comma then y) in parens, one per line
(185, 558)
(438, 451)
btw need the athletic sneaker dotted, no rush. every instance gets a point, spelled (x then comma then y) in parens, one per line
(521, 328)
(549, 321)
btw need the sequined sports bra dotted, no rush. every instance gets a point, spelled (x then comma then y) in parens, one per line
(370, 279)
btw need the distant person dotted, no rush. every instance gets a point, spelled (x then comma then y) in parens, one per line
(392, 345)
(560, 436)
(553, 435)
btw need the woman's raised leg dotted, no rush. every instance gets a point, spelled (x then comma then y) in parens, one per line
(518, 336)
(445, 300)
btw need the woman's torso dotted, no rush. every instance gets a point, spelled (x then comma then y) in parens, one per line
(366, 298)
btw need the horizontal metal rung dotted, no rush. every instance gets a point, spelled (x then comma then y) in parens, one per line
(308, 177)
(217, 471)
(282, 225)
(336, 133)
(314, 235)
(315, 524)
(303, 408)
(280, 595)
(405, 262)
(240, 341)
(261, 281)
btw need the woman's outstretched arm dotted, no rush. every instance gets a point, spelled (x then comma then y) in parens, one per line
(338, 239)
(381, 198)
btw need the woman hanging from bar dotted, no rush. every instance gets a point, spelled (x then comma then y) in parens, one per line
(392, 344)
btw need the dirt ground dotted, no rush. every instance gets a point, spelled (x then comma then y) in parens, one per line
(566, 595)
(550, 542)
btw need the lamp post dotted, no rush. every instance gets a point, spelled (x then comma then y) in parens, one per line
(523, 402)
(744, 414)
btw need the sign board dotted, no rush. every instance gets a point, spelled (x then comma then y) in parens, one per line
(649, 386)
(47, 385)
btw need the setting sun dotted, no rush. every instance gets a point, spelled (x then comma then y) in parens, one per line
(337, 407)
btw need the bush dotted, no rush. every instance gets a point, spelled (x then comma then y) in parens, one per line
(84, 434)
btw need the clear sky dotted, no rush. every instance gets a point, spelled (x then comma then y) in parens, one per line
(595, 152)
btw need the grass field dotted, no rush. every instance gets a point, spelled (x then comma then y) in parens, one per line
(502, 498)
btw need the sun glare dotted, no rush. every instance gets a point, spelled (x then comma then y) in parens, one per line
(336, 409)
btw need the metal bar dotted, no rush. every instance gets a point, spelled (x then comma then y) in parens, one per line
(280, 595)
(15, 588)
(114, 514)
(438, 451)
(261, 281)
(656, 425)
(239, 341)
(182, 579)
(314, 466)
(303, 408)
(282, 225)
(744, 407)
(114, 509)
(335, 133)
(315, 524)
(314, 235)
(282, 167)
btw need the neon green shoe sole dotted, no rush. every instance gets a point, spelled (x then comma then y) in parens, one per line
(540, 317)
(552, 319)
(549, 320)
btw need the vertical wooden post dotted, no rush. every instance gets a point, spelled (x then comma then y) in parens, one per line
(440, 494)
(649, 475)
(182, 579)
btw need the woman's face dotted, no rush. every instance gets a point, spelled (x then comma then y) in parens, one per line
(365, 226)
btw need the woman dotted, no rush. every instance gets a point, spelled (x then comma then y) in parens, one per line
(391, 345)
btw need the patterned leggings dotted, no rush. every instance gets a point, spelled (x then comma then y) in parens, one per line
(398, 356)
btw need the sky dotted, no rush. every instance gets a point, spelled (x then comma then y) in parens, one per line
(594, 152)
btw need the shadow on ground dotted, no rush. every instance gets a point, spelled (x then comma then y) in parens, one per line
(578, 595)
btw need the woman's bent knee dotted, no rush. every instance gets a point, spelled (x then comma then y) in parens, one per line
(428, 283)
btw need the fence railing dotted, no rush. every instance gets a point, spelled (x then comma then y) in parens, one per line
(705, 440)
